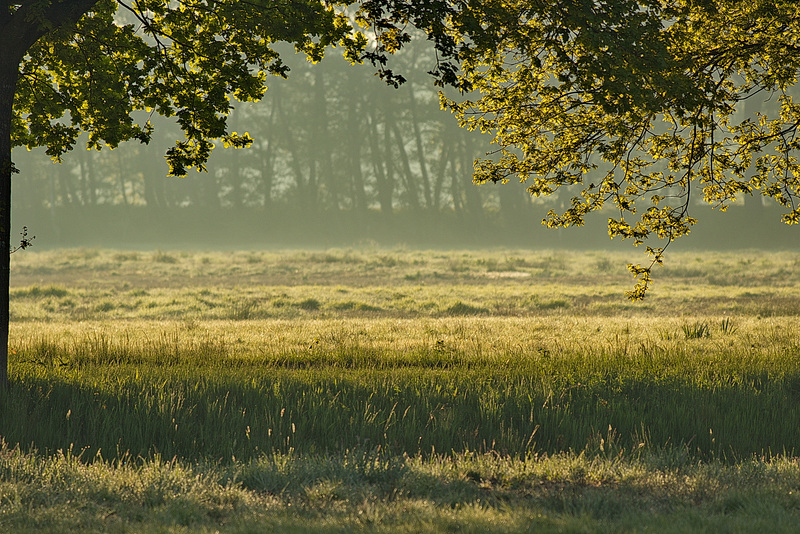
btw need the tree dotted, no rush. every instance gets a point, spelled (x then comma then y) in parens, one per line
(72, 66)
(631, 101)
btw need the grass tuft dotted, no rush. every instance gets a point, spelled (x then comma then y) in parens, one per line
(309, 304)
(461, 308)
(727, 326)
(164, 257)
(696, 330)
(243, 310)
(38, 292)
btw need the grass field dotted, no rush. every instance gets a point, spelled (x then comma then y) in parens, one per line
(400, 391)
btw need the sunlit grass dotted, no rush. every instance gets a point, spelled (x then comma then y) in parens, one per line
(391, 391)
(219, 389)
(95, 285)
(391, 267)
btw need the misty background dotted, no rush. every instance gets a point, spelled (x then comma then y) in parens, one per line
(339, 159)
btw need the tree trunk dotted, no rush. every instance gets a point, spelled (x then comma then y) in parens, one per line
(441, 172)
(65, 184)
(268, 150)
(89, 195)
(151, 197)
(355, 129)
(423, 165)
(408, 175)
(122, 185)
(19, 30)
(472, 196)
(235, 168)
(753, 207)
(9, 73)
(321, 142)
(380, 164)
(267, 171)
(306, 195)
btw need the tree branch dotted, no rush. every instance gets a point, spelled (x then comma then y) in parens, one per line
(22, 28)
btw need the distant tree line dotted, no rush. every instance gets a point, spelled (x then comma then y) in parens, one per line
(331, 139)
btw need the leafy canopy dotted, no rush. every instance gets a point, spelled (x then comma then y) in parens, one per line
(639, 98)
(627, 105)
(179, 59)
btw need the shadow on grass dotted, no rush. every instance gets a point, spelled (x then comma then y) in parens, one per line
(222, 415)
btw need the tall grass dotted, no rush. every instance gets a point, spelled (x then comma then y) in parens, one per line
(399, 391)
(218, 391)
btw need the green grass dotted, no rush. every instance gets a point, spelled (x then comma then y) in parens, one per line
(215, 390)
(699, 330)
(67, 285)
(369, 491)
(396, 391)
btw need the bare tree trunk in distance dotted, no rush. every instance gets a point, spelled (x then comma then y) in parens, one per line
(753, 209)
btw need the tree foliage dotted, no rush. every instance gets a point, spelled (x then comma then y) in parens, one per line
(644, 91)
(181, 59)
(647, 93)
(329, 138)
(102, 66)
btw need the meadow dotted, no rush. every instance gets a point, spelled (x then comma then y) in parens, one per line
(400, 391)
